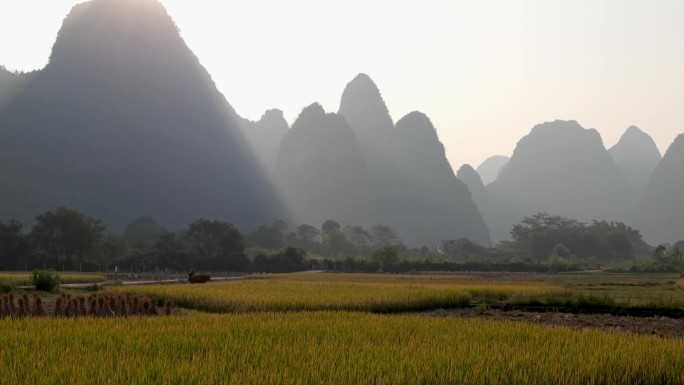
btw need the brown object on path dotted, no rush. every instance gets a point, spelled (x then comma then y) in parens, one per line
(198, 278)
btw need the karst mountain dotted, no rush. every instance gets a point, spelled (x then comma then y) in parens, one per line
(660, 216)
(417, 192)
(124, 121)
(636, 155)
(491, 167)
(562, 168)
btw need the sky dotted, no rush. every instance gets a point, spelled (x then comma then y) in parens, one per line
(485, 72)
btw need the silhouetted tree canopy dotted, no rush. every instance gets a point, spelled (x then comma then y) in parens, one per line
(218, 246)
(542, 235)
(269, 237)
(65, 234)
(143, 232)
(13, 243)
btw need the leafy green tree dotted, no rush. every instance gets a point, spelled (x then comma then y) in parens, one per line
(672, 262)
(537, 236)
(334, 241)
(287, 259)
(218, 246)
(383, 235)
(143, 232)
(306, 237)
(65, 234)
(330, 227)
(13, 243)
(269, 237)
(387, 257)
(358, 237)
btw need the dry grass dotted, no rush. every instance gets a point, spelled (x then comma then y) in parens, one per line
(325, 348)
(340, 292)
(23, 278)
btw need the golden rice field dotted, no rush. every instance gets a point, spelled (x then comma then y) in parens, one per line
(340, 292)
(325, 348)
(24, 278)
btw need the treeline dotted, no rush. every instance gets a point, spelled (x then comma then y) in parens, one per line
(65, 239)
(547, 242)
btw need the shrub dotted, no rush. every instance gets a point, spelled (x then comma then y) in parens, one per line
(6, 286)
(45, 280)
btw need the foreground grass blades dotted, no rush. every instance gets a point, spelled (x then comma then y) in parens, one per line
(342, 292)
(325, 348)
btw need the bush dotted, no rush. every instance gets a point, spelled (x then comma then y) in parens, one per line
(45, 280)
(6, 286)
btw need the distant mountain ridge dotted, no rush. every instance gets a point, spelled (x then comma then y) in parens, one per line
(124, 121)
(490, 169)
(417, 191)
(564, 169)
(321, 171)
(636, 155)
(660, 216)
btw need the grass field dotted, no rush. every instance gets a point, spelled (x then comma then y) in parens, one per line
(658, 290)
(322, 329)
(341, 292)
(24, 278)
(325, 348)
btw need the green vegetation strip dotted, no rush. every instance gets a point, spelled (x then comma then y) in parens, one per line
(22, 278)
(326, 348)
(339, 292)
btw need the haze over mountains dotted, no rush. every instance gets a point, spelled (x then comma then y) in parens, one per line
(636, 155)
(562, 168)
(124, 122)
(491, 167)
(358, 167)
(417, 191)
(661, 210)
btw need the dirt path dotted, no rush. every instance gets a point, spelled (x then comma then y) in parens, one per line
(659, 326)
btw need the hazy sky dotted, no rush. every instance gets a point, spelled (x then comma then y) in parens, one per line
(485, 72)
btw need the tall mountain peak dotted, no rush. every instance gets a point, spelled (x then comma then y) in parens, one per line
(363, 107)
(637, 155)
(321, 171)
(661, 211)
(130, 123)
(107, 31)
(491, 167)
(563, 168)
(472, 179)
(418, 125)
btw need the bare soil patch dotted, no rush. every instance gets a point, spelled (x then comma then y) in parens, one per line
(658, 325)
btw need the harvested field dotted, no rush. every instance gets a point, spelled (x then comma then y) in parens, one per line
(657, 326)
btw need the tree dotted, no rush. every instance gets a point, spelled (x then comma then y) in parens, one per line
(306, 237)
(285, 260)
(387, 257)
(143, 232)
(538, 234)
(218, 246)
(330, 227)
(13, 243)
(357, 236)
(269, 237)
(66, 233)
(382, 236)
